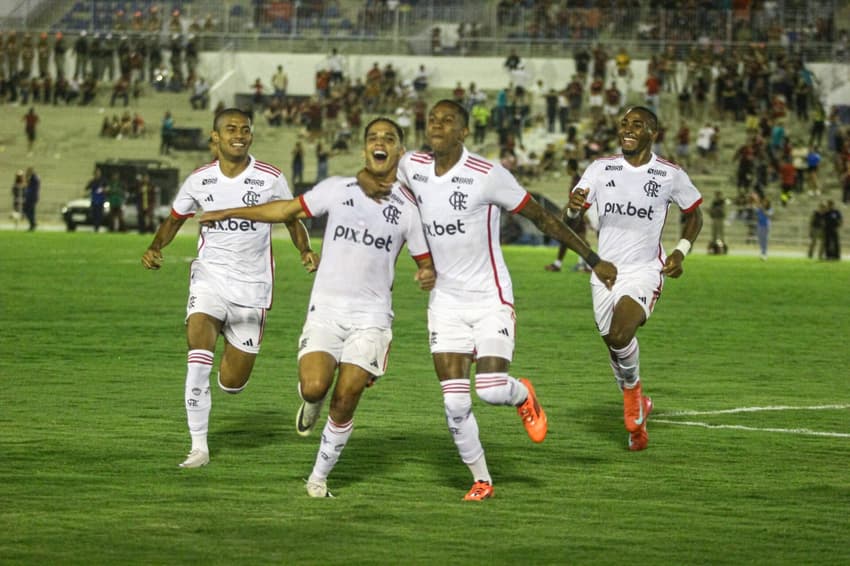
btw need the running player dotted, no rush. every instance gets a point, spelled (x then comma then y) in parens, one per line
(632, 193)
(471, 312)
(231, 281)
(349, 319)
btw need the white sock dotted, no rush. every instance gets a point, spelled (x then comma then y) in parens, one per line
(334, 438)
(627, 368)
(558, 263)
(197, 396)
(461, 421)
(479, 470)
(500, 389)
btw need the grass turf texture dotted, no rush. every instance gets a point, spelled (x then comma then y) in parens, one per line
(92, 426)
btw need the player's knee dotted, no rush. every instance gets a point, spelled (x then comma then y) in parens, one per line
(312, 388)
(232, 384)
(618, 338)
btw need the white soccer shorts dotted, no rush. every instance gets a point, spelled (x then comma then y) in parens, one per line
(643, 286)
(366, 347)
(485, 332)
(242, 326)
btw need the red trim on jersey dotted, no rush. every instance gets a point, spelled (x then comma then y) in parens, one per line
(665, 162)
(493, 255)
(267, 168)
(262, 327)
(426, 255)
(304, 206)
(522, 204)
(204, 167)
(408, 194)
(178, 216)
(693, 206)
(271, 266)
(656, 294)
(478, 161)
(387, 356)
(478, 165)
(420, 157)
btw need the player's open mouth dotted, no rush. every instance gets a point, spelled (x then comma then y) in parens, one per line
(379, 156)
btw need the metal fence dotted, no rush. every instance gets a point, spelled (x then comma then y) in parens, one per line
(532, 28)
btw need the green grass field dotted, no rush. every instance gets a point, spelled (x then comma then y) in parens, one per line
(92, 426)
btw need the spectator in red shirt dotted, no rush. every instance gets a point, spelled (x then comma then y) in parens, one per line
(30, 122)
(788, 179)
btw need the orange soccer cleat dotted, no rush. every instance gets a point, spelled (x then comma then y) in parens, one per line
(532, 414)
(640, 438)
(480, 490)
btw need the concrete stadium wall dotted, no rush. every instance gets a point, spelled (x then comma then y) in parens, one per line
(230, 73)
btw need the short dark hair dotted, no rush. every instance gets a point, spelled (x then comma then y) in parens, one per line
(653, 119)
(389, 121)
(231, 112)
(464, 113)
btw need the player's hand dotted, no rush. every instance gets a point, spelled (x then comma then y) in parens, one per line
(310, 260)
(606, 272)
(426, 277)
(152, 259)
(211, 216)
(372, 187)
(673, 265)
(577, 199)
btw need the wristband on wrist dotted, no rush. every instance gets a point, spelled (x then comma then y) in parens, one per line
(592, 259)
(684, 246)
(572, 214)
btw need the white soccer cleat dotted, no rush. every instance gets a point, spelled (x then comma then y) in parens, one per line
(306, 418)
(318, 488)
(196, 459)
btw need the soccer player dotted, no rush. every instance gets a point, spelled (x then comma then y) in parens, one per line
(632, 192)
(471, 312)
(231, 281)
(348, 326)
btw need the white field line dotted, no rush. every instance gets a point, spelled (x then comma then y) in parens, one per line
(753, 410)
(802, 431)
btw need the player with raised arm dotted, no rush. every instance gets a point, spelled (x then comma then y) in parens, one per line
(348, 329)
(231, 280)
(632, 193)
(471, 312)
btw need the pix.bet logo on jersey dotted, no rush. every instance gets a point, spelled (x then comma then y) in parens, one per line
(628, 209)
(363, 237)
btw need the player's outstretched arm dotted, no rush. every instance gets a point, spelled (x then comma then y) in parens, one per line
(152, 258)
(550, 225)
(270, 212)
(426, 275)
(692, 224)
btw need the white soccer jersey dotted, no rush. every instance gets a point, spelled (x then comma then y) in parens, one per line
(632, 204)
(460, 213)
(235, 255)
(361, 244)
